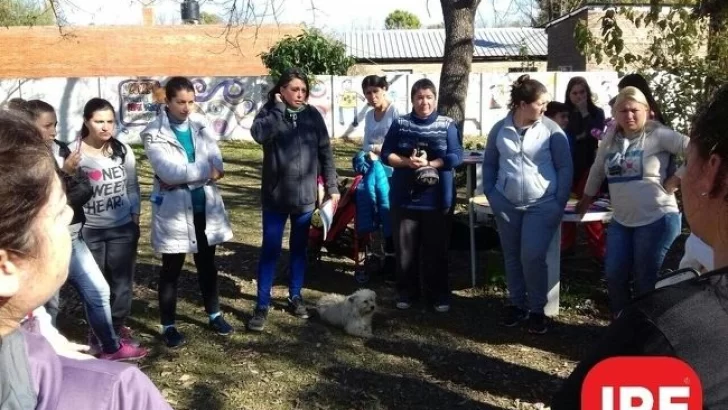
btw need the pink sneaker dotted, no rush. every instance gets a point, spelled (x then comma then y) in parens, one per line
(125, 353)
(127, 337)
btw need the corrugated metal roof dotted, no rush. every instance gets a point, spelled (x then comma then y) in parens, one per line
(429, 43)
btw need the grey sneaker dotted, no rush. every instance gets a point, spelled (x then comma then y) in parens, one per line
(297, 307)
(257, 322)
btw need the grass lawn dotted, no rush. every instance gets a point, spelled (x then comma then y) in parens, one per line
(417, 359)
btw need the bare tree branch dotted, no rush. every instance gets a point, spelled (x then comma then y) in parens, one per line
(518, 13)
(243, 15)
(243, 18)
(59, 18)
(313, 12)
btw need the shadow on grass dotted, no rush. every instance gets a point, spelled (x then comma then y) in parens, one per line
(472, 370)
(346, 387)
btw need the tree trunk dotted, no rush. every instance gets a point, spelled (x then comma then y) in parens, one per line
(459, 16)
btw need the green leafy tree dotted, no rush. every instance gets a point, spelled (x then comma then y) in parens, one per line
(687, 51)
(25, 13)
(311, 51)
(402, 19)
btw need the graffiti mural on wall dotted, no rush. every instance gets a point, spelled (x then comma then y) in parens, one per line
(320, 97)
(140, 100)
(230, 104)
(349, 100)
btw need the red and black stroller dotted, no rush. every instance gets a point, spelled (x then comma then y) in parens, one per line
(342, 239)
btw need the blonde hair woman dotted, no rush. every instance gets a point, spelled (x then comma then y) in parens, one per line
(634, 158)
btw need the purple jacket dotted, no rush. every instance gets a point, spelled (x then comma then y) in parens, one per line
(60, 383)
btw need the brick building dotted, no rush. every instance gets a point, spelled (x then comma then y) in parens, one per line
(207, 50)
(563, 54)
(191, 50)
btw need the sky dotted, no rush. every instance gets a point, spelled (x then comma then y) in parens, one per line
(337, 15)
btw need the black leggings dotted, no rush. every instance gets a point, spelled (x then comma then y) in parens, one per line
(206, 274)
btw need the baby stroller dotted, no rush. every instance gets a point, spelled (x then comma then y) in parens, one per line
(342, 239)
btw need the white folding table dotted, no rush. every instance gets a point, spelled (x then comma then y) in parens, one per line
(553, 258)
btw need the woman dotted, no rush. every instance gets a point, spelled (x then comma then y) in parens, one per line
(109, 341)
(35, 250)
(44, 117)
(111, 229)
(633, 157)
(380, 117)
(638, 81)
(187, 164)
(688, 320)
(288, 128)
(378, 120)
(584, 118)
(527, 174)
(424, 148)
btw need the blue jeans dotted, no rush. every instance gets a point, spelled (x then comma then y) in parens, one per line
(639, 251)
(525, 235)
(273, 224)
(86, 277)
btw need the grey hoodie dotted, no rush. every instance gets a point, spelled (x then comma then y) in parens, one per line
(528, 168)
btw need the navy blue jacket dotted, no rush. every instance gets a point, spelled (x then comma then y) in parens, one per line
(584, 150)
(438, 136)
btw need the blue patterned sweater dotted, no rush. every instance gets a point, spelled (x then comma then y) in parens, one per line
(438, 136)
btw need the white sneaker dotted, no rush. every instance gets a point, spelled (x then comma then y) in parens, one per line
(402, 305)
(442, 308)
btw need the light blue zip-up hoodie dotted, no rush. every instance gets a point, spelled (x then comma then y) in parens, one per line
(528, 169)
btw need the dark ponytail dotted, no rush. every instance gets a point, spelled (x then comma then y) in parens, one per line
(374, 81)
(526, 90)
(118, 150)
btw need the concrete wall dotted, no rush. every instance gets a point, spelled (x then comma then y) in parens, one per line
(230, 103)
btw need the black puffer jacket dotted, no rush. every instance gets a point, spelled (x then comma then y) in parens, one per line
(78, 187)
(295, 146)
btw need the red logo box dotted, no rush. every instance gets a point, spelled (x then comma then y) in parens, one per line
(642, 383)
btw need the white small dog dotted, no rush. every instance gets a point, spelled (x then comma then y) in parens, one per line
(353, 313)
